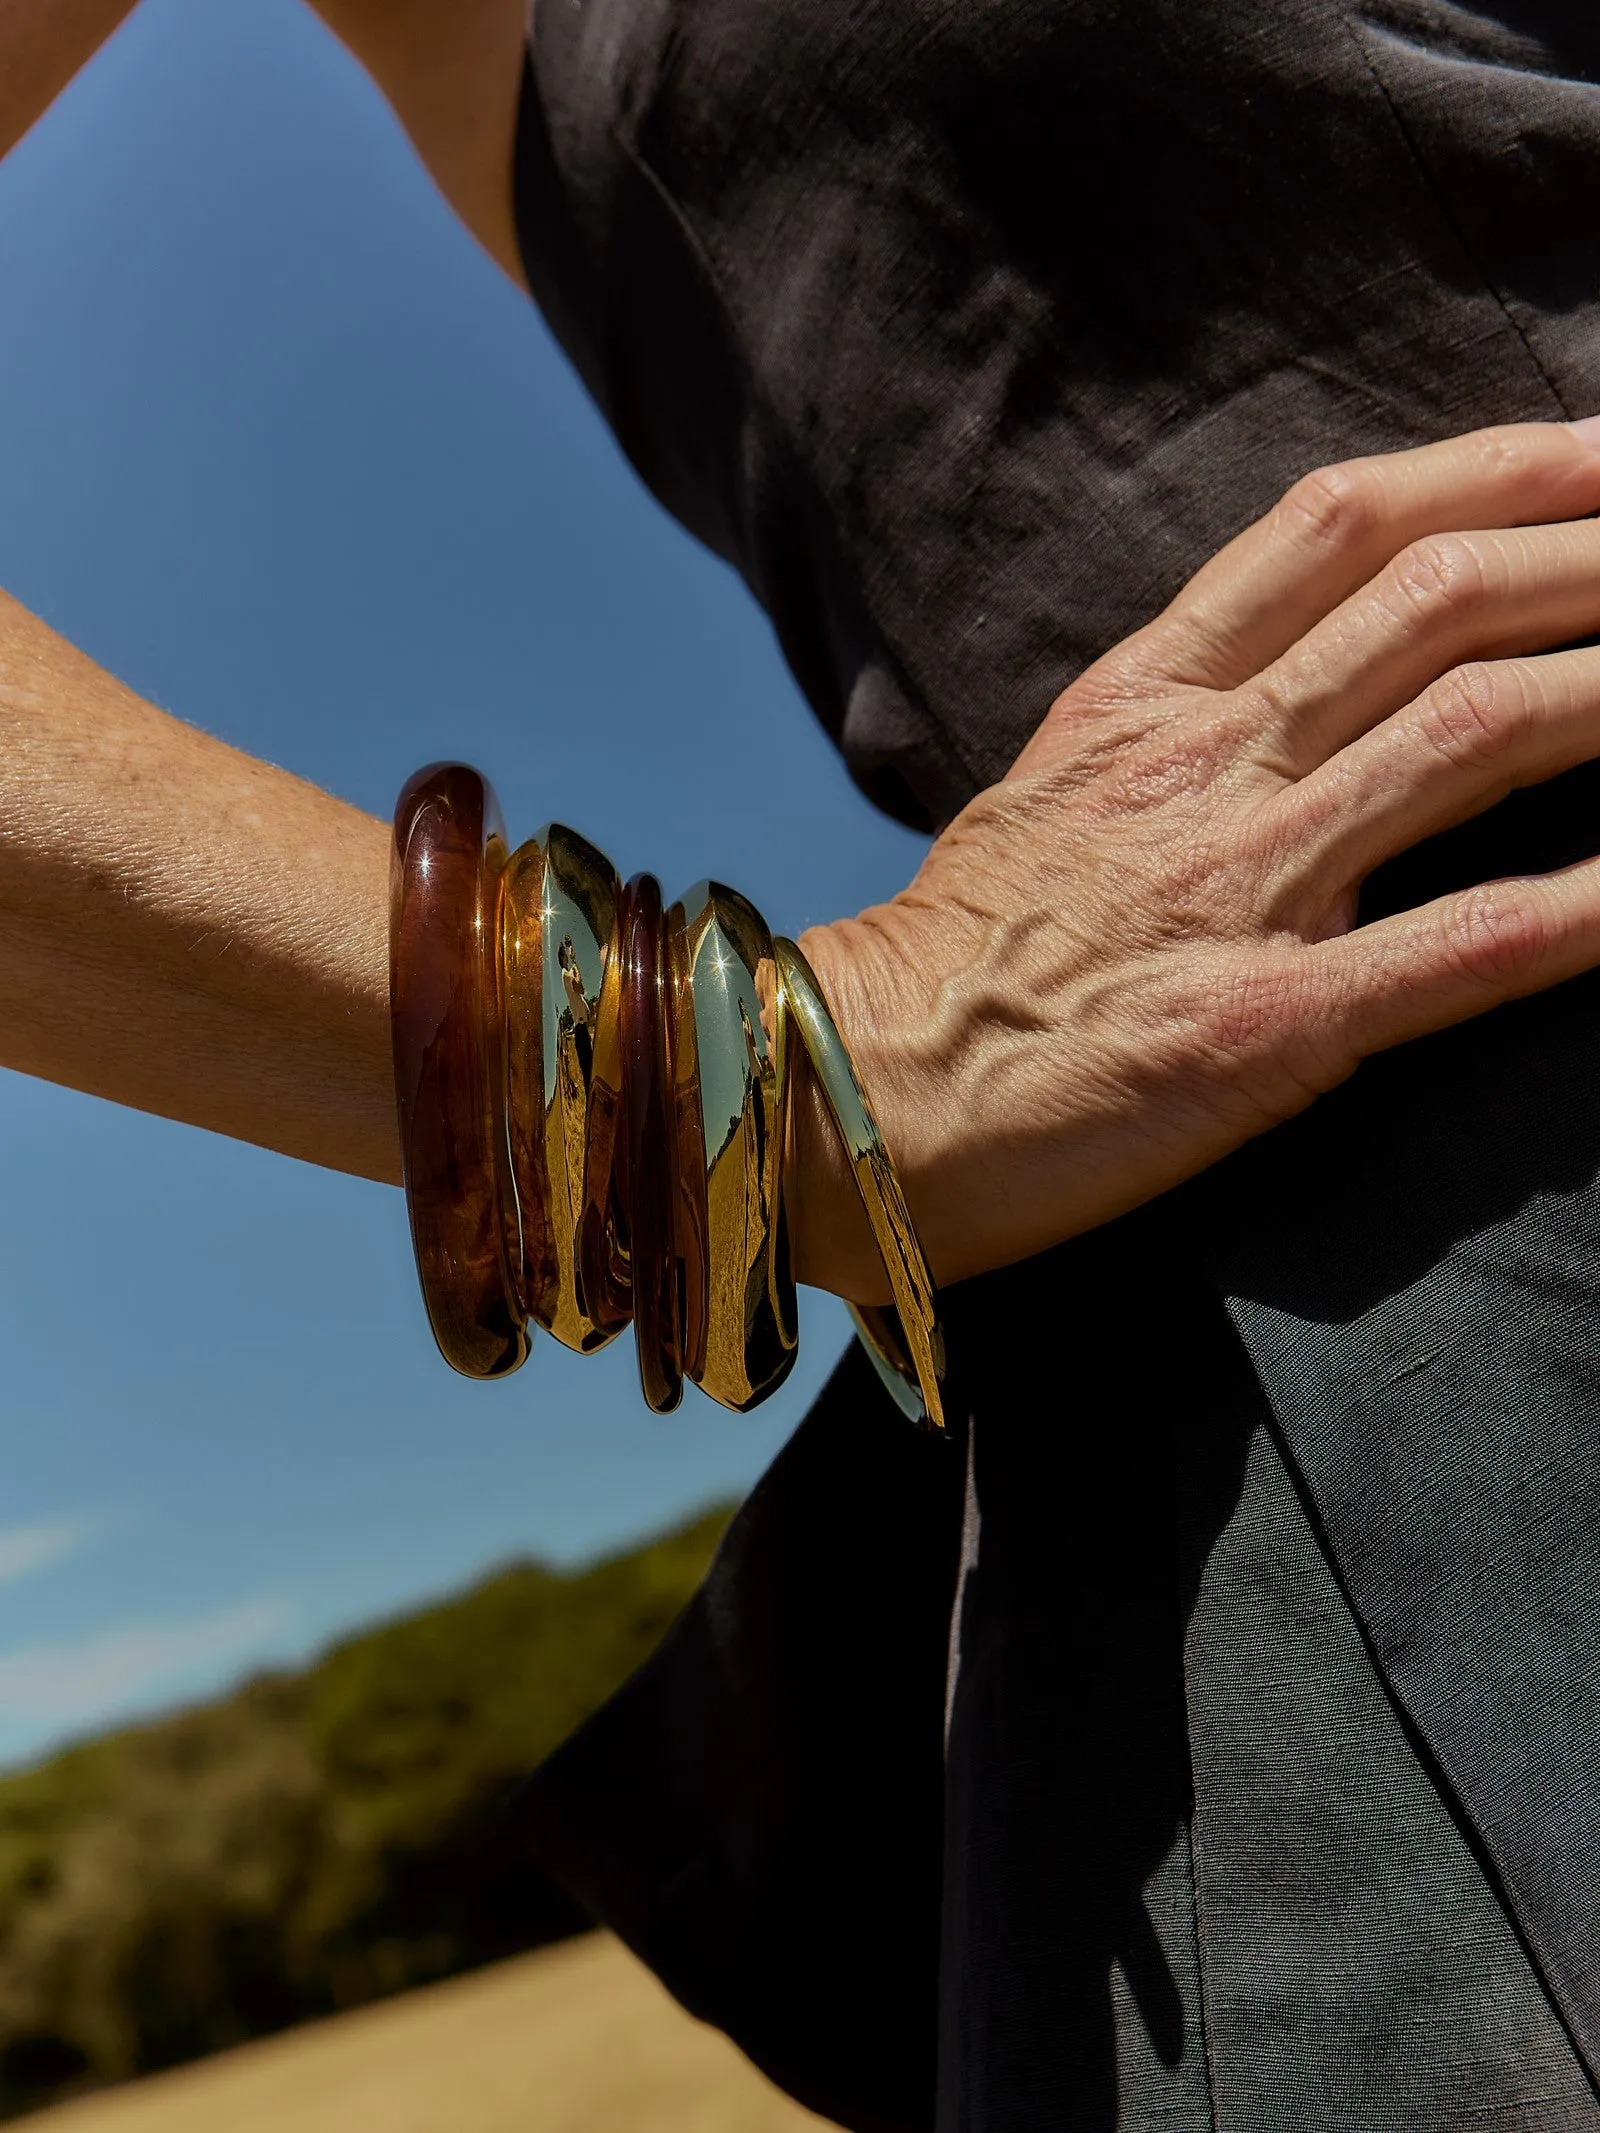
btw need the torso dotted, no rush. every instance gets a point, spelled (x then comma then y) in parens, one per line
(968, 331)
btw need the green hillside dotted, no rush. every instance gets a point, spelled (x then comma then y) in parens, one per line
(314, 1840)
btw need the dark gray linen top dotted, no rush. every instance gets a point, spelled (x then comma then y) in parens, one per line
(1211, 1739)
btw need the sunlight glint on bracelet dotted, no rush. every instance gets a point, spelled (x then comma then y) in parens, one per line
(594, 1099)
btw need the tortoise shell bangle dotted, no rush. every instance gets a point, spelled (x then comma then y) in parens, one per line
(446, 1027)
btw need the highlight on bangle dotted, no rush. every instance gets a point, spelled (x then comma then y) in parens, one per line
(595, 1093)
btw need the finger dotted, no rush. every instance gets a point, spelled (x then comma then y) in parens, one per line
(1428, 969)
(1474, 736)
(1445, 599)
(1339, 527)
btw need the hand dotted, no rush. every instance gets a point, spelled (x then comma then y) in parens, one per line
(1139, 949)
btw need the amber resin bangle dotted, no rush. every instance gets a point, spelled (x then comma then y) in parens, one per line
(446, 1025)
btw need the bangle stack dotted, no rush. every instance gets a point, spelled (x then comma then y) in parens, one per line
(594, 1094)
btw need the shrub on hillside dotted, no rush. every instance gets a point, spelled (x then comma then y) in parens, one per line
(314, 1840)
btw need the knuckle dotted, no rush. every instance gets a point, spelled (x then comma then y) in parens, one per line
(1267, 1036)
(1295, 840)
(1244, 1009)
(1506, 454)
(1497, 935)
(1178, 766)
(1336, 507)
(1196, 883)
(1442, 576)
(1475, 715)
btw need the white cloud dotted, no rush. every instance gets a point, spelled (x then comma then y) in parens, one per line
(25, 1549)
(100, 1676)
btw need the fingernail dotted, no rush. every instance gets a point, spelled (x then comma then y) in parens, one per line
(1589, 430)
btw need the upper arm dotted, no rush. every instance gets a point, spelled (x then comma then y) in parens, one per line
(43, 43)
(452, 70)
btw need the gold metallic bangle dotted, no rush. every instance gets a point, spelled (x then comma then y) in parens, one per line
(912, 1367)
(740, 1326)
(562, 992)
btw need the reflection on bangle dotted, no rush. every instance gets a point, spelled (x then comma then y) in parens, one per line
(445, 1024)
(594, 1099)
(911, 1366)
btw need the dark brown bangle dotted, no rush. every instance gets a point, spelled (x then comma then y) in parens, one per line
(647, 1145)
(446, 1026)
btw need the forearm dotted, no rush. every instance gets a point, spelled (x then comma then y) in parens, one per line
(192, 932)
(182, 928)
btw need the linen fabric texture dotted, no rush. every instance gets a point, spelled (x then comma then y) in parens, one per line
(1209, 1738)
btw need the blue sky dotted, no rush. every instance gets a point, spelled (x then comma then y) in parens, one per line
(283, 451)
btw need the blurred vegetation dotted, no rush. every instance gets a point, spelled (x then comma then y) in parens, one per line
(313, 1840)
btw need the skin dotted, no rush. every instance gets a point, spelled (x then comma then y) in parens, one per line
(1138, 950)
(1133, 954)
(182, 928)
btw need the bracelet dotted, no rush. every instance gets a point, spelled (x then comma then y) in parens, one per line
(648, 1148)
(594, 1097)
(446, 1028)
(911, 1366)
(740, 1331)
(562, 998)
